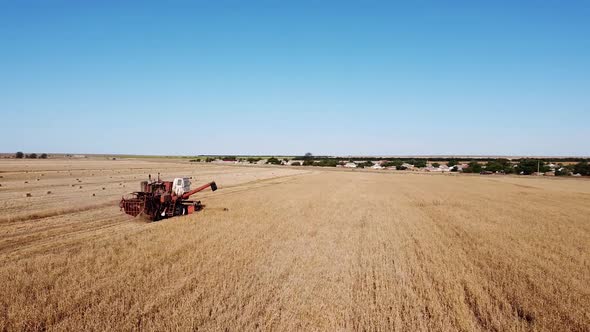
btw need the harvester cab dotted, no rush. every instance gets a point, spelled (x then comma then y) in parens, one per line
(181, 186)
(162, 199)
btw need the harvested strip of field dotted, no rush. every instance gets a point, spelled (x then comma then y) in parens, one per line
(71, 186)
(315, 251)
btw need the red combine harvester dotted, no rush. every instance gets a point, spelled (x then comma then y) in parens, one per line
(162, 199)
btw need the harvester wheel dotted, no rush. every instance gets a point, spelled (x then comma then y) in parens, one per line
(179, 210)
(198, 206)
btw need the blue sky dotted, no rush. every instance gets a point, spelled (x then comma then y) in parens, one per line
(271, 77)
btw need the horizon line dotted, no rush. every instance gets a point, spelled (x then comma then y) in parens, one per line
(490, 156)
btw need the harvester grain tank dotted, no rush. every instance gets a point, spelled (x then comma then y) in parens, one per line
(163, 199)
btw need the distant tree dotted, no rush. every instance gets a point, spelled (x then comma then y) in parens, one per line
(582, 168)
(435, 165)
(273, 161)
(307, 156)
(452, 162)
(365, 164)
(43, 156)
(32, 156)
(253, 160)
(308, 162)
(209, 159)
(295, 163)
(530, 166)
(327, 163)
(419, 163)
(454, 169)
(20, 155)
(401, 168)
(394, 163)
(562, 171)
(501, 165)
(474, 167)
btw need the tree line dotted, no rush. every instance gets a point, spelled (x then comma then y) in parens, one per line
(524, 166)
(21, 155)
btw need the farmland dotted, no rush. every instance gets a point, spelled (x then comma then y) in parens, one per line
(292, 249)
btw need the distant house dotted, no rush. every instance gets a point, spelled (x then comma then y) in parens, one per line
(222, 161)
(444, 168)
(441, 168)
(290, 162)
(460, 167)
(408, 166)
(350, 165)
(377, 166)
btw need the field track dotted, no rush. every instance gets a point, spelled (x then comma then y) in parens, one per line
(293, 249)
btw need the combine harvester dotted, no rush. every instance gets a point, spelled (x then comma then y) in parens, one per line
(163, 199)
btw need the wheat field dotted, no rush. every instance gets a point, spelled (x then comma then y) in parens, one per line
(293, 249)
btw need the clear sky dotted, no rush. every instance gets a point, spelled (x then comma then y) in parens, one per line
(338, 78)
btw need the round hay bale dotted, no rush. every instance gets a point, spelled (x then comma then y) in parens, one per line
(49, 192)
(28, 195)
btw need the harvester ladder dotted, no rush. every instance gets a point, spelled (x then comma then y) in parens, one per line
(170, 209)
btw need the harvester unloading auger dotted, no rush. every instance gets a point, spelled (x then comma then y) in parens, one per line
(162, 199)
